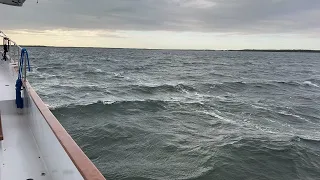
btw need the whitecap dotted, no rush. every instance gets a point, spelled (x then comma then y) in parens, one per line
(97, 70)
(309, 83)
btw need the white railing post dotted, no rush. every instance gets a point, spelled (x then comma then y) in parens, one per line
(25, 67)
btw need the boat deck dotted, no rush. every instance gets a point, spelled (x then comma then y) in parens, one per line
(20, 157)
(7, 86)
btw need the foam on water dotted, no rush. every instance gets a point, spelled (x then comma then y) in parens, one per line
(310, 84)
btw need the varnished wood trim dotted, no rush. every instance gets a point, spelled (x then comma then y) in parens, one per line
(1, 132)
(86, 168)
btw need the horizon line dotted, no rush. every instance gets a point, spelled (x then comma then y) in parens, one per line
(246, 49)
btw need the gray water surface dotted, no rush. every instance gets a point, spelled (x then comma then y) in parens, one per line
(168, 114)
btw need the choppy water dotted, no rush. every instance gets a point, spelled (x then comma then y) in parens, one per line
(162, 114)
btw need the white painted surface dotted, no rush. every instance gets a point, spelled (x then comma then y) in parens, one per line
(19, 155)
(21, 158)
(7, 84)
(7, 88)
(56, 159)
(27, 136)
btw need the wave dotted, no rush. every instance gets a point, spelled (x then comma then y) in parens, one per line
(118, 75)
(238, 86)
(94, 72)
(79, 87)
(309, 83)
(315, 80)
(234, 87)
(305, 140)
(205, 87)
(220, 75)
(118, 106)
(97, 70)
(200, 88)
(162, 88)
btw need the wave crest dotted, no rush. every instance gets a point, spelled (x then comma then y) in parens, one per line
(163, 88)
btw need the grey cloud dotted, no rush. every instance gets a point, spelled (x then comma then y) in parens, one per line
(232, 16)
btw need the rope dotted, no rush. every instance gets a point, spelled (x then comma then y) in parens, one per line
(24, 53)
(24, 57)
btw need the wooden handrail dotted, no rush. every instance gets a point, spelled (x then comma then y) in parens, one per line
(1, 132)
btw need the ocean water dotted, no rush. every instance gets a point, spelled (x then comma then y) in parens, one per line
(169, 114)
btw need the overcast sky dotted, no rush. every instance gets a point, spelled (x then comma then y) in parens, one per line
(178, 24)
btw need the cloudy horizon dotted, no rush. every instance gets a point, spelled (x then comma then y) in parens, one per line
(166, 24)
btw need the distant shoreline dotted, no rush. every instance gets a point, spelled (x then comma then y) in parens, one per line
(240, 50)
(278, 50)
